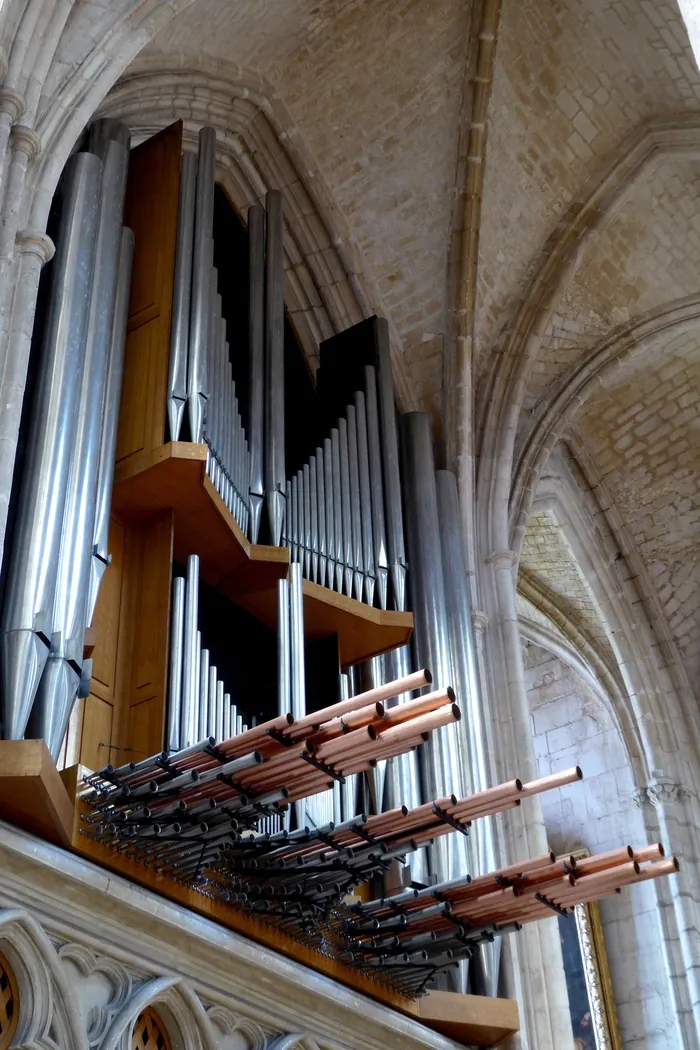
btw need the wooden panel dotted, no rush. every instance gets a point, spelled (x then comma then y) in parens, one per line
(151, 212)
(149, 569)
(474, 1019)
(32, 794)
(99, 724)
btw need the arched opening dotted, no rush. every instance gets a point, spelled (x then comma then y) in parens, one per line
(149, 1032)
(9, 1004)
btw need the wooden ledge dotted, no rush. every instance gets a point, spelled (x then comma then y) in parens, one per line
(32, 794)
(473, 1019)
(173, 476)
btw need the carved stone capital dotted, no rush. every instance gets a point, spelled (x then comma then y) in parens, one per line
(480, 621)
(502, 559)
(12, 103)
(24, 140)
(32, 242)
(660, 792)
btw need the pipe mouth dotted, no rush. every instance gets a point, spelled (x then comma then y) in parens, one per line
(456, 712)
(451, 693)
(428, 675)
(676, 863)
(285, 792)
(579, 773)
(630, 852)
(257, 756)
(372, 732)
(637, 867)
(662, 851)
(518, 784)
(552, 856)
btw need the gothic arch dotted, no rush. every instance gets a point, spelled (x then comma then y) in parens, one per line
(187, 1023)
(653, 331)
(49, 1012)
(563, 253)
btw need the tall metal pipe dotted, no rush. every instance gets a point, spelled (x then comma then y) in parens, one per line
(390, 466)
(59, 684)
(381, 557)
(33, 562)
(296, 635)
(256, 366)
(355, 504)
(203, 720)
(201, 283)
(346, 508)
(274, 366)
(284, 658)
(329, 498)
(440, 756)
(110, 422)
(365, 497)
(189, 721)
(177, 635)
(336, 489)
(182, 289)
(321, 517)
(314, 535)
(473, 732)
(213, 679)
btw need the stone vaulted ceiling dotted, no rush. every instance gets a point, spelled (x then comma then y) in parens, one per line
(373, 91)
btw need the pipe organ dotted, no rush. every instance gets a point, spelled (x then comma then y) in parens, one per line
(250, 651)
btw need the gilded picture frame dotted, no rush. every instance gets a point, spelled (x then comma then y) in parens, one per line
(591, 1000)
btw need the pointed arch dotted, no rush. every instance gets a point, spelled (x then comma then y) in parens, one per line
(181, 1010)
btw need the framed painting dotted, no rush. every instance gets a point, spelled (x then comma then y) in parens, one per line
(591, 1002)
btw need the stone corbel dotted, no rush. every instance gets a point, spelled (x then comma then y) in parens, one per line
(480, 622)
(24, 140)
(661, 792)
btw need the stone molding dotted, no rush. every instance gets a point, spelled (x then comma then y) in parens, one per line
(12, 103)
(91, 950)
(32, 242)
(25, 140)
(480, 621)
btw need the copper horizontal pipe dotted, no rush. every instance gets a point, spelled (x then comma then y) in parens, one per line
(554, 780)
(302, 792)
(353, 703)
(511, 787)
(342, 744)
(365, 716)
(602, 861)
(652, 852)
(609, 877)
(656, 869)
(526, 866)
(552, 886)
(422, 705)
(251, 737)
(422, 724)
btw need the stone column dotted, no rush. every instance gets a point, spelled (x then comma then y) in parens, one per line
(24, 146)
(538, 973)
(11, 109)
(35, 249)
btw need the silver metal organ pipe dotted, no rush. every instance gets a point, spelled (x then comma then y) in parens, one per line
(219, 710)
(381, 559)
(33, 563)
(213, 678)
(306, 483)
(348, 790)
(296, 634)
(355, 504)
(313, 515)
(346, 509)
(321, 512)
(189, 721)
(329, 500)
(227, 731)
(293, 511)
(440, 756)
(204, 660)
(177, 635)
(108, 447)
(474, 741)
(274, 362)
(365, 497)
(107, 128)
(201, 283)
(390, 466)
(284, 659)
(58, 688)
(182, 289)
(256, 352)
(336, 490)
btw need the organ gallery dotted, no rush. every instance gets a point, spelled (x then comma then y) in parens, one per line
(274, 633)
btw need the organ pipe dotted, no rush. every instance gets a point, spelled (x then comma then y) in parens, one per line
(33, 564)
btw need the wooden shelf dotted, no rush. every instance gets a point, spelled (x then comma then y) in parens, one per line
(174, 476)
(474, 1019)
(32, 793)
(362, 631)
